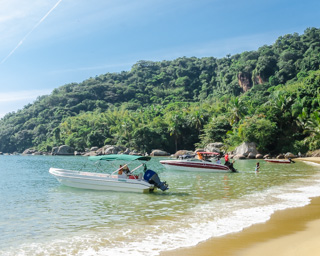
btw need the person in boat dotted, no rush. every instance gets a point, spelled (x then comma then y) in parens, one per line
(120, 171)
(124, 170)
(257, 167)
(218, 160)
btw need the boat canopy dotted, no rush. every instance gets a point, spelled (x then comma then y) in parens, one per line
(119, 157)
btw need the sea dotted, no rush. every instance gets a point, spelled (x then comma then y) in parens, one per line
(39, 216)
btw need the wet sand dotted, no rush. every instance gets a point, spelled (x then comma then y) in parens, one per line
(291, 232)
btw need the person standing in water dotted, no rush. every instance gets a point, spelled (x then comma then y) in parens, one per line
(257, 167)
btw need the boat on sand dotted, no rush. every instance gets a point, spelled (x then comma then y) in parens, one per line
(280, 161)
(122, 179)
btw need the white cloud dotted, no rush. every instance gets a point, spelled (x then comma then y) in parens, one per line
(15, 15)
(22, 95)
(13, 101)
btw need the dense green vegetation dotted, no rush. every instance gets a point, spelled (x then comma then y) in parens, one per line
(269, 96)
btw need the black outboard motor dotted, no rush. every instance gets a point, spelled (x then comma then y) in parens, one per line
(153, 178)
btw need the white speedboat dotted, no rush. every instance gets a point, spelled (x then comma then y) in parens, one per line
(119, 180)
(204, 162)
(195, 165)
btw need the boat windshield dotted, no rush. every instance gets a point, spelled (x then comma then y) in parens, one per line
(206, 155)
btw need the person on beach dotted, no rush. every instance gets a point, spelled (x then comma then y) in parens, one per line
(257, 167)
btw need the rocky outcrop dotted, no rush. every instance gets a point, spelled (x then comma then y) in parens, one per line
(259, 156)
(258, 80)
(135, 153)
(214, 147)
(29, 151)
(280, 156)
(246, 148)
(158, 152)
(244, 80)
(94, 149)
(110, 149)
(184, 153)
(239, 156)
(315, 153)
(63, 150)
(290, 155)
(251, 155)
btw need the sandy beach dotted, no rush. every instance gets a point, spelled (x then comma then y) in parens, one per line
(291, 232)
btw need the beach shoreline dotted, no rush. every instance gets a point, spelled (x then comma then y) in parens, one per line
(292, 231)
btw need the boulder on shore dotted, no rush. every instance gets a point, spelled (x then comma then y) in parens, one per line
(183, 152)
(63, 150)
(289, 155)
(315, 153)
(239, 156)
(259, 156)
(94, 148)
(214, 147)
(247, 148)
(158, 152)
(29, 151)
(252, 155)
(112, 149)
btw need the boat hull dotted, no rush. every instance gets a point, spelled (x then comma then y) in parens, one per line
(100, 181)
(194, 166)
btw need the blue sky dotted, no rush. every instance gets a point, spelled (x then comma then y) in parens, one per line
(46, 44)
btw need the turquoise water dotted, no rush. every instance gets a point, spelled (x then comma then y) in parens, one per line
(38, 216)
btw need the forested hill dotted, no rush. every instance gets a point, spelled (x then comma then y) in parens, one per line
(269, 96)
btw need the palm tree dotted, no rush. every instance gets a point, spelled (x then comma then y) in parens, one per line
(174, 121)
(237, 110)
(312, 126)
(196, 119)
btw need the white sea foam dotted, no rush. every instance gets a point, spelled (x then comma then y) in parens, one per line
(311, 163)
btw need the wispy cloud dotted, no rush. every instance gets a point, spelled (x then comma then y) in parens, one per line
(13, 101)
(28, 34)
(22, 95)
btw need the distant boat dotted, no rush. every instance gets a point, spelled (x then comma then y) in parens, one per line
(126, 182)
(197, 165)
(279, 161)
(194, 165)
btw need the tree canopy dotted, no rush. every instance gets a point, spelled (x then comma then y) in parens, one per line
(269, 96)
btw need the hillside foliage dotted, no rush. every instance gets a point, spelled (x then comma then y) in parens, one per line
(269, 96)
